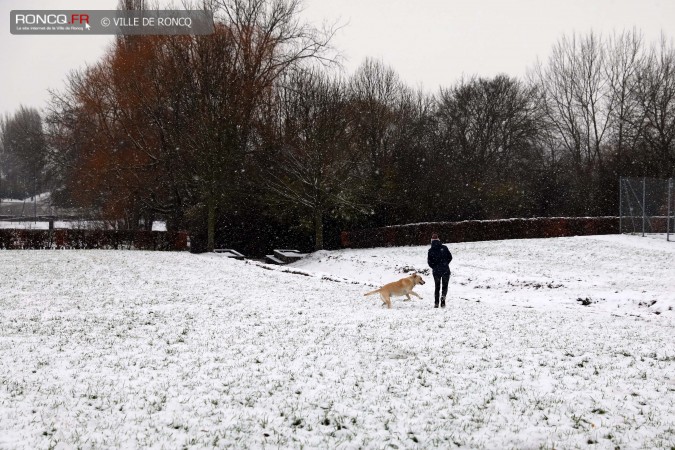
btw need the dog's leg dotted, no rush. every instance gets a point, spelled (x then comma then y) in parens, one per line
(407, 297)
(386, 299)
(415, 294)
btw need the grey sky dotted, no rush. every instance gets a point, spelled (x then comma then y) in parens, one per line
(429, 42)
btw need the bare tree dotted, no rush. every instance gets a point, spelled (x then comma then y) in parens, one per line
(266, 39)
(577, 97)
(376, 98)
(316, 168)
(23, 153)
(376, 90)
(655, 93)
(412, 135)
(179, 114)
(487, 130)
(625, 59)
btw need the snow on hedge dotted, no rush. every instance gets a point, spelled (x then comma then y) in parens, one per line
(138, 349)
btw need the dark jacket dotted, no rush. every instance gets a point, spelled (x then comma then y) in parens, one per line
(439, 258)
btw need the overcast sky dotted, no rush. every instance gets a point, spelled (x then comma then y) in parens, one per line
(429, 42)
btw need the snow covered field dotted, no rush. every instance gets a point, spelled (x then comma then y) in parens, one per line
(130, 349)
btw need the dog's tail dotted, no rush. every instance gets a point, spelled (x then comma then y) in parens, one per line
(372, 292)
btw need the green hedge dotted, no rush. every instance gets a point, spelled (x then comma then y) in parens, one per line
(479, 230)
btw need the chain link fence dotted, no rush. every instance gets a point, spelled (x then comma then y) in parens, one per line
(647, 206)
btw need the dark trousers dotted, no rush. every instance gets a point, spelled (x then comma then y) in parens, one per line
(445, 278)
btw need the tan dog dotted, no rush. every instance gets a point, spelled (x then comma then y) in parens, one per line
(404, 286)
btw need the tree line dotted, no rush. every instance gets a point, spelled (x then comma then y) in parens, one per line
(251, 137)
(23, 154)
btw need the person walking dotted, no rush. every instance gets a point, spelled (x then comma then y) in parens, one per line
(439, 258)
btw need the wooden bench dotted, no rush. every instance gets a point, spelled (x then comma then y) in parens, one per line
(229, 253)
(284, 256)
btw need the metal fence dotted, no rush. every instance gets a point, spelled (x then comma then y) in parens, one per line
(646, 205)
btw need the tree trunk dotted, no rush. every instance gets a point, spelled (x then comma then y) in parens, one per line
(211, 225)
(318, 229)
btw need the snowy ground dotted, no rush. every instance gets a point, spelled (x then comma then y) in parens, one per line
(107, 349)
(619, 274)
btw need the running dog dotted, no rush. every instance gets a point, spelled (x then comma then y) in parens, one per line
(404, 286)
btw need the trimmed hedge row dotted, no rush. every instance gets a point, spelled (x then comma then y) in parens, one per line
(93, 239)
(479, 230)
